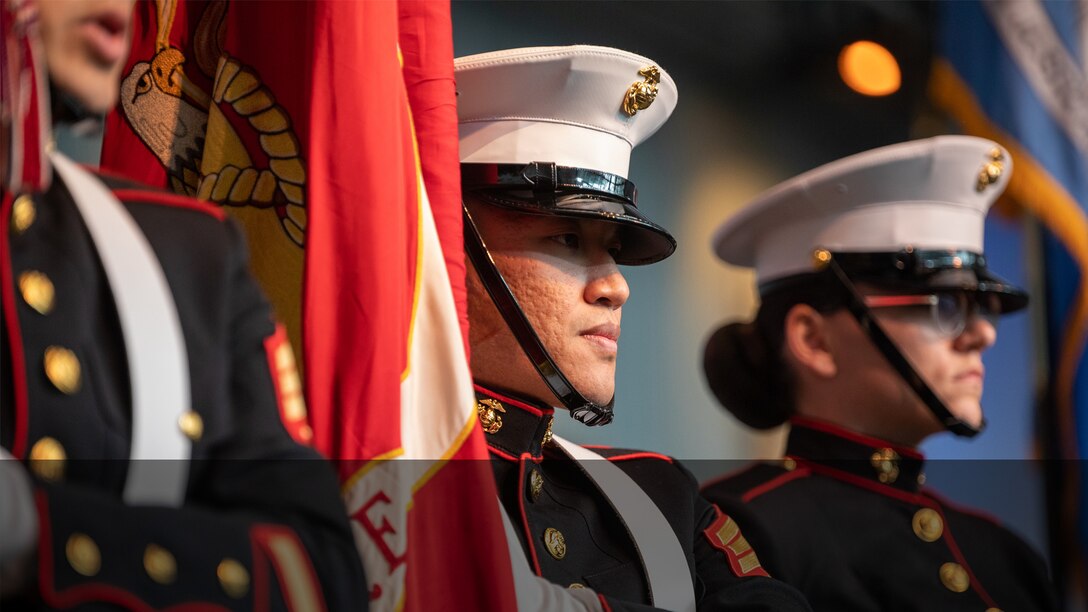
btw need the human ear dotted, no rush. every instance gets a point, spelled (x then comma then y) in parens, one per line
(806, 341)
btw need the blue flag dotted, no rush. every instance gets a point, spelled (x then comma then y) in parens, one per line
(1014, 72)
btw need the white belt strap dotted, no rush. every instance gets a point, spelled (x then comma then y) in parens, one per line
(157, 363)
(664, 560)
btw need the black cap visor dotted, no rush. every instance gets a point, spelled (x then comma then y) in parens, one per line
(546, 189)
(911, 271)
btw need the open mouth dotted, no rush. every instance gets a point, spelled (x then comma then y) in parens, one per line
(105, 36)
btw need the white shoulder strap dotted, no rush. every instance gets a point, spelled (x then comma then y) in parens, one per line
(664, 560)
(157, 363)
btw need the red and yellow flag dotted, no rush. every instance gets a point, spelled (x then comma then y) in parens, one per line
(329, 129)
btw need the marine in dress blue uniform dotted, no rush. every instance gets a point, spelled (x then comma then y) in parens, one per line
(262, 525)
(145, 390)
(546, 136)
(893, 239)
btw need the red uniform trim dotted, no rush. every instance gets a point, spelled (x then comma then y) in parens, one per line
(604, 603)
(90, 591)
(502, 454)
(524, 516)
(916, 499)
(641, 455)
(15, 338)
(507, 456)
(728, 475)
(263, 535)
(903, 496)
(298, 428)
(774, 483)
(517, 403)
(860, 438)
(169, 199)
(958, 554)
(259, 577)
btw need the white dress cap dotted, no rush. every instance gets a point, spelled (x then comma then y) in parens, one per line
(564, 105)
(925, 194)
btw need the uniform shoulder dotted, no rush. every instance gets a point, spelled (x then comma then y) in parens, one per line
(133, 192)
(628, 454)
(752, 481)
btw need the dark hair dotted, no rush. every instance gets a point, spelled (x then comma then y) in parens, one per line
(743, 361)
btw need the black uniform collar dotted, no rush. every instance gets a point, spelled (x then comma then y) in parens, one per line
(832, 450)
(513, 427)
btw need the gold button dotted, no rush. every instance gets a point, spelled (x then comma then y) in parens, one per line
(62, 368)
(954, 577)
(233, 577)
(576, 585)
(37, 291)
(555, 543)
(927, 524)
(47, 458)
(160, 564)
(536, 484)
(789, 464)
(23, 213)
(191, 425)
(83, 554)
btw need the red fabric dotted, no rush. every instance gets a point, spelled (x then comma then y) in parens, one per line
(334, 69)
(15, 337)
(361, 256)
(24, 99)
(426, 43)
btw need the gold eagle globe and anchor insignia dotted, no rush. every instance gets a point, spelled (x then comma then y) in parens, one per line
(886, 463)
(642, 94)
(991, 171)
(187, 129)
(488, 411)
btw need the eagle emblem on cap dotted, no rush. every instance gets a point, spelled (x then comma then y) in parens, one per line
(642, 94)
(991, 170)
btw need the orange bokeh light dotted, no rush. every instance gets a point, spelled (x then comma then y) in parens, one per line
(870, 69)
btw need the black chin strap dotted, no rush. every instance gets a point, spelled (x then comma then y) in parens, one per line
(581, 409)
(855, 303)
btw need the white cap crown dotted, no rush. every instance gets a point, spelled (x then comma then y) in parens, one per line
(924, 194)
(580, 106)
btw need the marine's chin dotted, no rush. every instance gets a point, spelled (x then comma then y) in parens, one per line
(968, 410)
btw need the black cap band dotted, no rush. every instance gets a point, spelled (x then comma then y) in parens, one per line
(547, 180)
